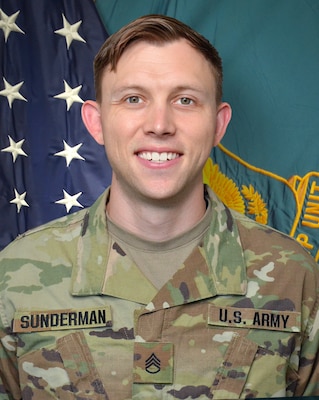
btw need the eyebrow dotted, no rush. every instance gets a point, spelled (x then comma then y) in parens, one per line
(138, 88)
(192, 88)
(123, 89)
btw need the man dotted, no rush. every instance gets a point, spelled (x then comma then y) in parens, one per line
(157, 291)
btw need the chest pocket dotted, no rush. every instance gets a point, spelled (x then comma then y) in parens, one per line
(232, 374)
(257, 360)
(66, 372)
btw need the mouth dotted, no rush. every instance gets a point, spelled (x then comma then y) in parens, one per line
(158, 157)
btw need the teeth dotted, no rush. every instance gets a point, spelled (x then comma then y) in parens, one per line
(158, 157)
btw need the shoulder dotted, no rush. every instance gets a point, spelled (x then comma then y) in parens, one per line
(265, 248)
(264, 235)
(40, 258)
(63, 228)
(57, 233)
(261, 244)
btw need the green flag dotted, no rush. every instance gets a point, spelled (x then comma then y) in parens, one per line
(270, 52)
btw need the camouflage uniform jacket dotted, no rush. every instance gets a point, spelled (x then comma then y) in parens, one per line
(80, 321)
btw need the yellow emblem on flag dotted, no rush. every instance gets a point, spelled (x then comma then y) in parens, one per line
(247, 200)
(288, 205)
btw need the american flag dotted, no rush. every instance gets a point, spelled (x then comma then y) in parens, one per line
(49, 164)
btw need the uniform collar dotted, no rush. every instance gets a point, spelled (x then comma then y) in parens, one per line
(102, 268)
(216, 268)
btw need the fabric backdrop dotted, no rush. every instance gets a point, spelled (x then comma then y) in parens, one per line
(49, 164)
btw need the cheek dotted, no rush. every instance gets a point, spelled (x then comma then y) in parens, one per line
(120, 131)
(111, 144)
(206, 139)
(206, 145)
(116, 143)
(111, 129)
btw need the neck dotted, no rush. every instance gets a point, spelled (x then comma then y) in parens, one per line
(157, 220)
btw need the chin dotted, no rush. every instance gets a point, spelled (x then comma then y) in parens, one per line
(164, 197)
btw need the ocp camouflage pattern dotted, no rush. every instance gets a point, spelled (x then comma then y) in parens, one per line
(79, 320)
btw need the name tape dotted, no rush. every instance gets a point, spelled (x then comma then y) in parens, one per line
(288, 321)
(43, 320)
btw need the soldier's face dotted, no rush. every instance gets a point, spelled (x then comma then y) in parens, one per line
(159, 119)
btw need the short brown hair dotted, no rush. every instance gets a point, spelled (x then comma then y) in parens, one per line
(154, 29)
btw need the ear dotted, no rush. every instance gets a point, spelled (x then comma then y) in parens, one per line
(91, 117)
(222, 120)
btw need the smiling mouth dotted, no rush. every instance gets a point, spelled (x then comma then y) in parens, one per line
(158, 157)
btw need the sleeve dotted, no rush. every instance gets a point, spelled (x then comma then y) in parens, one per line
(9, 375)
(308, 372)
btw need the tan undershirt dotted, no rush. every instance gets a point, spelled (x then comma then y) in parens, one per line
(160, 260)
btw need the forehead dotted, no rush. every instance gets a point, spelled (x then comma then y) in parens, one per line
(170, 60)
(179, 45)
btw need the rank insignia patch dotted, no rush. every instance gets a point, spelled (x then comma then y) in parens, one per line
(153, 362)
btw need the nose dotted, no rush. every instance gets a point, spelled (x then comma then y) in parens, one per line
(159, 120)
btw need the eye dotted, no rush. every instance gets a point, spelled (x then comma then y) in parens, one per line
(185, 101)
(133, 100)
